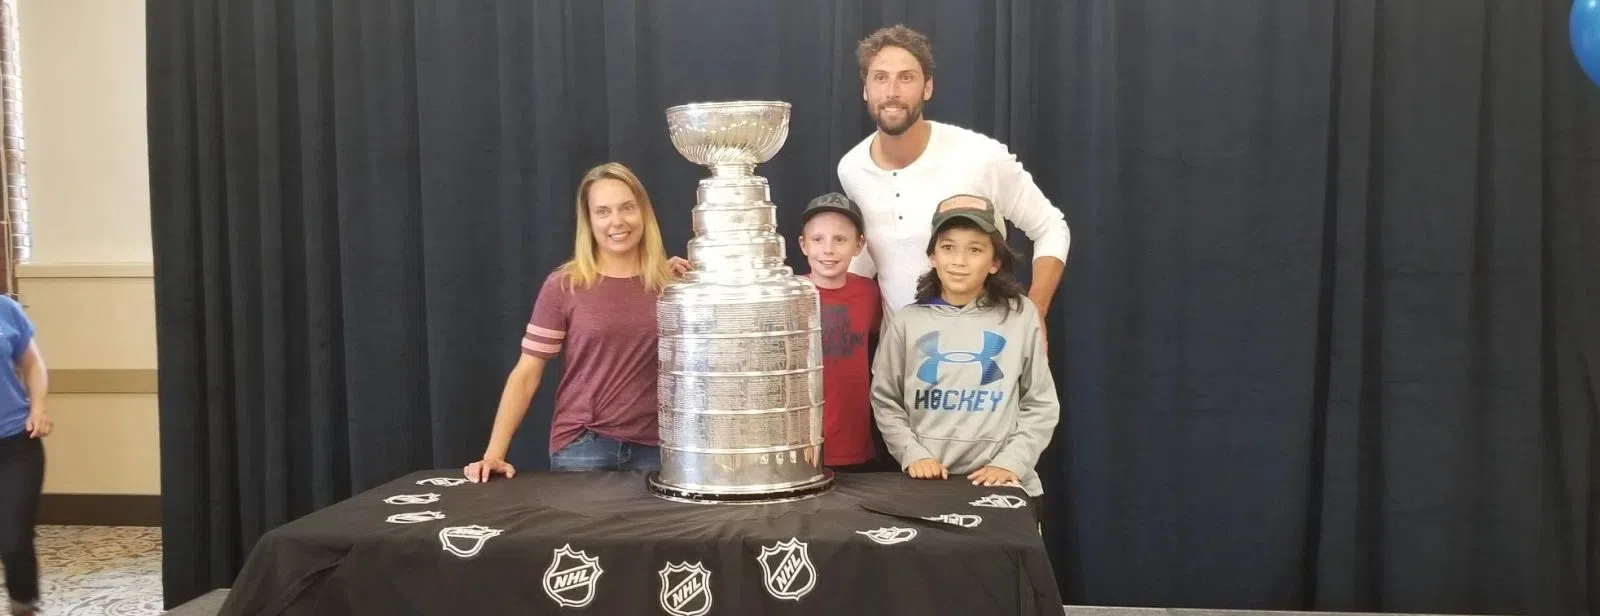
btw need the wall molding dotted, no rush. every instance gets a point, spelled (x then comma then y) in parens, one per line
(101, 381)
(132, 269)
(100, 509)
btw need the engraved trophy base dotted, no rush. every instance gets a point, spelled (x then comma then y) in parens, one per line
(766, 496)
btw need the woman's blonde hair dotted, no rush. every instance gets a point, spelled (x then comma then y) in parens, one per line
(583, 271)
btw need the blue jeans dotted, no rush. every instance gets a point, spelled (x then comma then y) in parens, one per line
(592, 452)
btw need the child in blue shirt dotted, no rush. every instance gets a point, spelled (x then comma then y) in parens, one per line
(23, 423)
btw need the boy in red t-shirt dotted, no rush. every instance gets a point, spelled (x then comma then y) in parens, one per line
(833, 235)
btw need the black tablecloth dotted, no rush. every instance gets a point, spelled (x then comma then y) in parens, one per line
(600, 543)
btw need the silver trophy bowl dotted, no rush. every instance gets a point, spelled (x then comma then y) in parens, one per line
(740, 382)
(731, 137)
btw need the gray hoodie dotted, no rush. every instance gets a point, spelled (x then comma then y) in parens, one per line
(965, 387)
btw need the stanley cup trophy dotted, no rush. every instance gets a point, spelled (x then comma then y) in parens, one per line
(740, 336)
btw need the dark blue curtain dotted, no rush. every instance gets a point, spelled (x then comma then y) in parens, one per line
(1327, 338)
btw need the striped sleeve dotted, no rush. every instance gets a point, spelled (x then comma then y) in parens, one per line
(546, 333)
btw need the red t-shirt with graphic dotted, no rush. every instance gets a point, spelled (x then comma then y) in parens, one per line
(850, 314)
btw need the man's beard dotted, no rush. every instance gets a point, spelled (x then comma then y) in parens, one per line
(913, 113)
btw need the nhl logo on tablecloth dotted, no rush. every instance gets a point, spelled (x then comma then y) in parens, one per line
(1002, 501)
(413, 517)
(441, 481)
(412, 499)
(466, 541)
(572, 577)
(786, 569)
(685, 589)
(890, 535)
(964, 520)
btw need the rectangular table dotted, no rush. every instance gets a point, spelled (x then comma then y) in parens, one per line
(600, 543)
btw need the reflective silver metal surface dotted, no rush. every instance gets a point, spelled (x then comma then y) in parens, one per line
(740, 336)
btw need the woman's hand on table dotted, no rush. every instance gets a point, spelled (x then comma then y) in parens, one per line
(482, 470)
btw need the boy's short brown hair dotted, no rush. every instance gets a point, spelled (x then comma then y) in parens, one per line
(900, 36)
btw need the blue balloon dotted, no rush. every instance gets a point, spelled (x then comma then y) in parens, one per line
(1584, 29)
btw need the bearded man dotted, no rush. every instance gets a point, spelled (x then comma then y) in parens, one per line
(899, 173)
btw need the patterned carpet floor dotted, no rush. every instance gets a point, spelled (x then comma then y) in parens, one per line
(99, 570)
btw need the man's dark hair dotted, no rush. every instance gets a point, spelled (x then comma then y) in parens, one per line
(896, 36)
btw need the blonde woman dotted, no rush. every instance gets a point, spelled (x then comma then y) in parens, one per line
(597, 312)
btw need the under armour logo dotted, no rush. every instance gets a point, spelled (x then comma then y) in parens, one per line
(928, 344)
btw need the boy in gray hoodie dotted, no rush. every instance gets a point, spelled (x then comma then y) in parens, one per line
(961, 385)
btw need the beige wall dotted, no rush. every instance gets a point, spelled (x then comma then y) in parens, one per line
(83, 105)
(89, 287)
